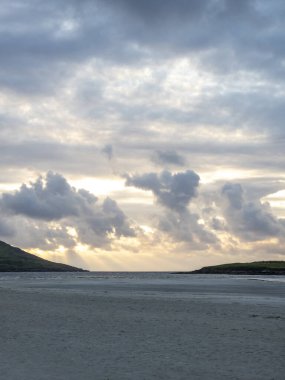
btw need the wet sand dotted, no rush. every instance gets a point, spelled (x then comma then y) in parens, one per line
(127, 328)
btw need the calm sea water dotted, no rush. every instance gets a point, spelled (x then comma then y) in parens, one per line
(129, 276)
(221, 288)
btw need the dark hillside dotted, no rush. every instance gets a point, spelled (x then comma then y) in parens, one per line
(13, 259)
(255, 268)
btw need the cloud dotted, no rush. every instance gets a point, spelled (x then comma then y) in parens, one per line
(234, 193)
(41, 155)
(185, 227)
(57, 35)
(166, 83)
(163, 11)
(174, 192)
(29, 233)
(53, 199)
(204, 28)
(108, 151)
(6, 229)
(168, 157)
(52, 206)
(218, 224)
(249, 220)
(180, 97)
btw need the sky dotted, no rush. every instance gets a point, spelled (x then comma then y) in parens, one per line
(143, 134)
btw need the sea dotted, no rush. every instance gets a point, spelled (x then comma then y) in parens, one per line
(269, 290)
(135, 276)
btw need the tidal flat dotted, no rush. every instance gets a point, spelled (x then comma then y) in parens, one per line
(120, 326)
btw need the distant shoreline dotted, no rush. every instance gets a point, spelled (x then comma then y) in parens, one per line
(264, 268)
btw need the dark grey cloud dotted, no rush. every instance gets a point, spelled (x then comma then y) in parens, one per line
(54, 35)
(30, 233)
(43, 155)
(52, 199)
(255, 109)
(6, 229)
(173, 191)
(250, 110)
(234, 193)
(185, 27)
(257, 188)
(161, 11)
(168, 157)
(108, 151)
(218, 224)
(249, 220)
(184, 227)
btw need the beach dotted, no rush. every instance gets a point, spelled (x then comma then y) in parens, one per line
(141, 326)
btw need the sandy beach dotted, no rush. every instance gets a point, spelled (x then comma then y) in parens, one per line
(106, 326)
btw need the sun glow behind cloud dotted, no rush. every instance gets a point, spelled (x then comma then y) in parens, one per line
(277, 202)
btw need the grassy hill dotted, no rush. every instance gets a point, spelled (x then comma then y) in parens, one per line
(13, 259)
(255, 268)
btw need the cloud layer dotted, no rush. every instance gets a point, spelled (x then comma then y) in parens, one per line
(98, 90)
